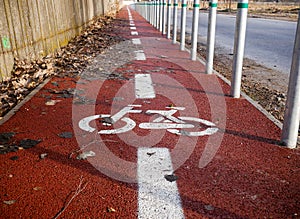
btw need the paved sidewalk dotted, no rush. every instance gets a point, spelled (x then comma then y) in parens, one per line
(162, 140)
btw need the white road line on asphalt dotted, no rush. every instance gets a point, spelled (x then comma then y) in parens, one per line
(143, 86)
(131, 24)
(134, 33)
(136, 41)
(157, 197)
(132, 28)
(140, 55)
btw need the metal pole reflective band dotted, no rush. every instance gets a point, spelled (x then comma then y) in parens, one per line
(175, 21)
(183, 23)
(195, 30)
(292, 110)
(211, 34)
(239, 46)
(169, 20)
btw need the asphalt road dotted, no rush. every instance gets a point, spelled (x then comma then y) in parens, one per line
(268, 42)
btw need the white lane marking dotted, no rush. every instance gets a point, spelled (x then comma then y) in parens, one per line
(136, 41)
(84, 124)
(123, 112)
(134, 33)
(130, 124)
(208, 131)
(132, 28)
(149, 125)
(140, 55)
(157, 197)
(131, 24)
(143, 86)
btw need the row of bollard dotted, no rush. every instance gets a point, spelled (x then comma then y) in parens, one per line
(159, 14)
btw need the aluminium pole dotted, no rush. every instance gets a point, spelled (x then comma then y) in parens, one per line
(157, 14)
(175, 14)
(195, 30)
(160, 15)
(239, 46)
(292, 110)
(183, 24)
(169, 19)
(211, 34)
(164, 17)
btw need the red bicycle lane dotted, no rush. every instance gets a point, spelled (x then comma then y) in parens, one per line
(245, 176)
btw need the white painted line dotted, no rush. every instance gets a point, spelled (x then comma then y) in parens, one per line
(140, 55)
(132, 24)
(157, 197)
(134, 33)
(136, 41)
(143, 86)
(132, 28)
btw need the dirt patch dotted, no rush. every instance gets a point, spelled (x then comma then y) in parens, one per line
(264, 85)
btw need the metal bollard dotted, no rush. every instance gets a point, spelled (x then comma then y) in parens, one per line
(211, 34)
(160, 15)
(292, 110)
(239, 46)
(175, 14)
(195, 30)
(157, 14)
(164, 17)
(169, 19)
(154, 14)
(183, 24)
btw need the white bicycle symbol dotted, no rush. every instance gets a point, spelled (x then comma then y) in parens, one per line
(166, 120)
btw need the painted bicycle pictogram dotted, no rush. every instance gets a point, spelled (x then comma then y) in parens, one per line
(165, 120)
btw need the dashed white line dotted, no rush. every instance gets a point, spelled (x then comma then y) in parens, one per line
(157, 197)
(132, 28)
(140, 55)
(132, 24)
(144, 87)
(136, 41)
(134, 33)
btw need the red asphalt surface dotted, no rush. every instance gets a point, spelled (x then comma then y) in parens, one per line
(239, 172)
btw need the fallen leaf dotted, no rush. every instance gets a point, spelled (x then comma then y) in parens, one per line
(14, 158)
(6, 136)
(85, 155)
(28, 143)
(150, 153)
(109, 209)
(107, 121)
(209, 207)
(66, 135)
(37, 188)
(52, 102)
(10, 202)
(171, 178)
(43, 156)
